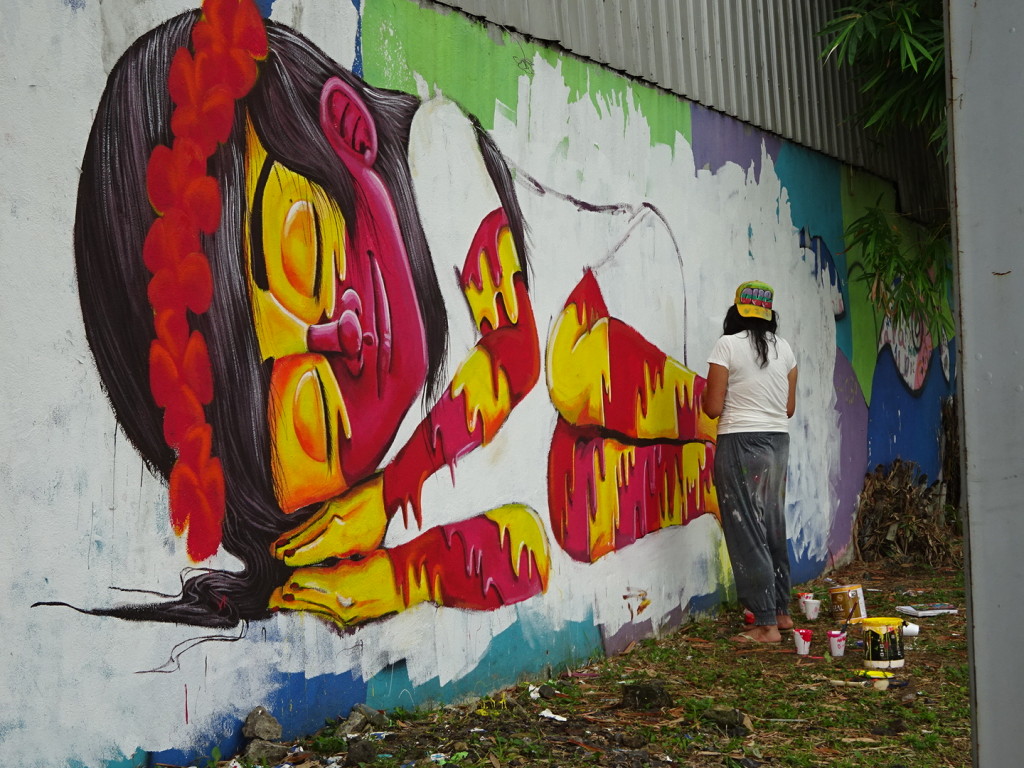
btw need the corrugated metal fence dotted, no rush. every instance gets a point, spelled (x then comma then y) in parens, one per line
(757, 60)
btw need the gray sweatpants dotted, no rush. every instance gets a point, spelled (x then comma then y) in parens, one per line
(750, 475)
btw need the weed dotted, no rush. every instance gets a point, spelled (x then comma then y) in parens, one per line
(327, 744)
(214, 758)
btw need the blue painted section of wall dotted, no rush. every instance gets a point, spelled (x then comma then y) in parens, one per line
(805, 561)
(904, 424)
(708, 604)
(801, 567)
(520, 650)
(300, 704)
(813, 183)
(265, 7)
(357, 61)
(228, 730)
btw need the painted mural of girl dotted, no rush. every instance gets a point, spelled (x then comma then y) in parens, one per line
(264, 312)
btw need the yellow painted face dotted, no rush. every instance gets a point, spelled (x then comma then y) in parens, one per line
(295, 237)
(298, 233)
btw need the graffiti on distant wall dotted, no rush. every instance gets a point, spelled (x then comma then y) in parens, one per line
(912, 347)
(265, 313)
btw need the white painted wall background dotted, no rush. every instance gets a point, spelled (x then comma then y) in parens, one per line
(83, 515)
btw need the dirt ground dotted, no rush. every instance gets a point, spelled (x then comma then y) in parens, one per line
(695, 698)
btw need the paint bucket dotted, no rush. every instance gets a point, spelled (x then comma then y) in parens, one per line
(883, 643)
(846, 598)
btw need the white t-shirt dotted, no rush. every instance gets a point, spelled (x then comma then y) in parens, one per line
(755, 398)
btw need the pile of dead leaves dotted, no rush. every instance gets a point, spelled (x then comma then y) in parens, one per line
(902, 517)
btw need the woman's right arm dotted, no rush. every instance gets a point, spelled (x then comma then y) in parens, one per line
(714, 392)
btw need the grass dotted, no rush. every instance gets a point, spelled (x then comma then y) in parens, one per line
(733, 706)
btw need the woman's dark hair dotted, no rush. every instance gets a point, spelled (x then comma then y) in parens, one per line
(759, 331)
(113, 217)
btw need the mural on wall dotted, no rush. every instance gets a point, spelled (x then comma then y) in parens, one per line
(268, 313)
(378, 358)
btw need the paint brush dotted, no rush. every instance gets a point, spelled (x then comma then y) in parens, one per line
(846, 624)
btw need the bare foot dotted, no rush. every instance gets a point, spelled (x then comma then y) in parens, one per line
(763, 634)
(784, 622)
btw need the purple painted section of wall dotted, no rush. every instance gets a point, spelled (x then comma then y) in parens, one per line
(616, 642)
(718, 139)
(853, 451)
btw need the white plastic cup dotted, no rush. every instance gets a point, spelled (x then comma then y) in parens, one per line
(802, 597)
(836, 642)
(802, 638)
(910, 633)
(811, 609)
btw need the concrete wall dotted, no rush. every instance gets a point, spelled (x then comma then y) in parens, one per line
(986, 158)
(326, 528)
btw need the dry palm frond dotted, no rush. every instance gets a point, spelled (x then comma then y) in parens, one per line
(901, 516)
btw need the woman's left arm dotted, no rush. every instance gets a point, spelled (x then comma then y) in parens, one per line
(791, 400)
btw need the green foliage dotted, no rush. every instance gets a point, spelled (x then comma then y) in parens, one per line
(214, 758)
(896, 49)
(907, 269)
(326, 744)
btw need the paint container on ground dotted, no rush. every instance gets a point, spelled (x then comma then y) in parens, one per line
(802, 638)
(883, 643)
(910, 631)
(801, 597)
(811, 608)
(836, 642)
(847, 598)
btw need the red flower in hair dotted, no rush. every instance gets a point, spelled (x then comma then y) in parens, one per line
(197, 495)
(205, 107)
(204, 85)
(232, 32)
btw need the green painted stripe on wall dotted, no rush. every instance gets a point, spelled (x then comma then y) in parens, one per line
(409, 48)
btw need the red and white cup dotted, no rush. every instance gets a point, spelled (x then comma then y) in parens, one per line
(802, 638)
(836, 642)
(811, 609)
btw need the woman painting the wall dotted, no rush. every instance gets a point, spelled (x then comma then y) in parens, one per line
(752, 391)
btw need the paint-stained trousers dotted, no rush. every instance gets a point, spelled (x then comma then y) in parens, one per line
(750, 476)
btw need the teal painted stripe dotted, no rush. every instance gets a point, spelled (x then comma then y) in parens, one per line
(139, 760)
(812, 182)
(525, 649)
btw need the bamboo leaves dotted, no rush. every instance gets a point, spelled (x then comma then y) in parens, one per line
(907, 269)
(897, 49)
